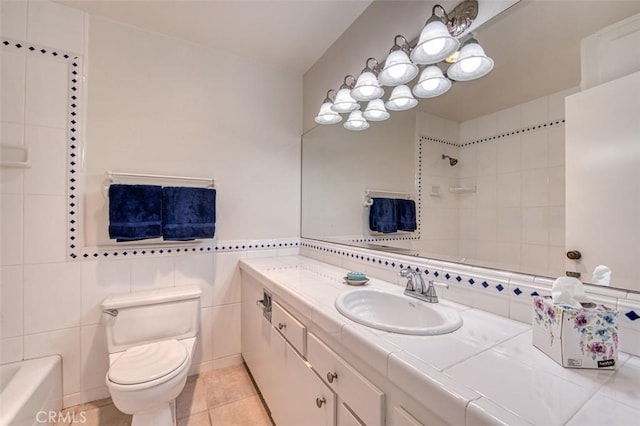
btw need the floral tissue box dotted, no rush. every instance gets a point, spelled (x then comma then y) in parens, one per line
(584, 337)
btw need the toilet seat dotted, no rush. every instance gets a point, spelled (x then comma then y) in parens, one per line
(146, 363)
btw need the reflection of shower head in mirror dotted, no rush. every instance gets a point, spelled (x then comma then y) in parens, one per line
(452, 161)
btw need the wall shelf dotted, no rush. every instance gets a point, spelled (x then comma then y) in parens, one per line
(462, 189)
(14, 156)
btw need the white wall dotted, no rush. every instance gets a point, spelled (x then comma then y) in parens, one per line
(50, 304)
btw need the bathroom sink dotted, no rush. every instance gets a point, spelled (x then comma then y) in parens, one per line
(397, 313)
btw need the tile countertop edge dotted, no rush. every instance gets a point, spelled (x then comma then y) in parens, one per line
(403, 368)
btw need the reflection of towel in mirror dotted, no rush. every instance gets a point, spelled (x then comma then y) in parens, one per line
(406, 215)
(383, 215)
(135, 212)
(188, 213)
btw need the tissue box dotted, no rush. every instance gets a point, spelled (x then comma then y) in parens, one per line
(584, 337)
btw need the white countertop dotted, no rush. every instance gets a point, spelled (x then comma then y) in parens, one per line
(488, 368)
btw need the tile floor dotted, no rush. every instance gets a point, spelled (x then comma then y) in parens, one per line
(224, 397)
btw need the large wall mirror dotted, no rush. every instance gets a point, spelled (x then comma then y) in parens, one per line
(502, 205)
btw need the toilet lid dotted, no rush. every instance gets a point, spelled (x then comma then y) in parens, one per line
(144, 363)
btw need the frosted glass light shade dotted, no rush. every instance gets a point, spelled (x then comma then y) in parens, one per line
(435, 44)
(344, 102)
(356, 122)
(376, 111)
(327, 115)
(367, 87)
(398, 69)
(432, 83)
(471, 64)
(401, 99)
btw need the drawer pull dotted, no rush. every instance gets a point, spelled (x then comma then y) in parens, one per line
(281, 326)
(320, 401)
(331, 376)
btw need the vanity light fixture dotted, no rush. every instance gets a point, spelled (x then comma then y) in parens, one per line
(472, 62)
(436, 47)
(398, 68)
(401, 99)
(356, 121)
(432, 83)
(376, 111)
(344, 101)
(326, 114)
(367, 87)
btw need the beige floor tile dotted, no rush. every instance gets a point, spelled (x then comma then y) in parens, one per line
(200, 419)
(107, 415)
(245, 412)
(193, 398)
(227, 385)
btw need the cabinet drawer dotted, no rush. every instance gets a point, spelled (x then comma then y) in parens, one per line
(292, 329)
(366, 400)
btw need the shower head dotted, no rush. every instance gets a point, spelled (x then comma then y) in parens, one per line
(452, 161)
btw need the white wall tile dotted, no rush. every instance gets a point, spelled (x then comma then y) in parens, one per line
(48, 152)
(65, 343)
(556, 267)
(468, 131)
(152, 273)
(556, 102)
(11, 225)
(508, 119)
(13, 19)
(487, 222)
(508, 154)
(226, 330)
(509, 229)
(11, 179)
(535, 188)
(535, 259)
(486, 191)
(509, 255)
(11, 301)
(11, 349)
(94, 355)
(45, 228)
(46, 92)
(509, 189)
(535, 149)
(556, 186)
(556, 146)
(535, 225)
(486, 158)
(226, 281)
(55, 25)
(535, 111)
(204, 350)
(101, 278)
(51, 296)
(12, 85)
(196, 270)
(556, 226)
(487, 125)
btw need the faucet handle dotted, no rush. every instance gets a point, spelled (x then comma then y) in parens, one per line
(406, 272)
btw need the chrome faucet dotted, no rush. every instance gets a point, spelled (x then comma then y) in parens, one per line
(419, 289)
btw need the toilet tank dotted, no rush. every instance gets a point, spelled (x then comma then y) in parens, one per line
(149, 316)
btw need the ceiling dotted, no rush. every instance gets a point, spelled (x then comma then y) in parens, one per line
(535, 44)
(290, 34)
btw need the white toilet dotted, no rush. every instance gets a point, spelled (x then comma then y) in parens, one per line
(151, 336)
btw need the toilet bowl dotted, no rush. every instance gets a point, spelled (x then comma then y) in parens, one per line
(151, 337)
(145, 380)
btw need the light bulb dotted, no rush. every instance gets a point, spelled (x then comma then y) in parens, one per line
(431, 84)
(367, 91)
(397, 71)
(433, 47)
(470, 64)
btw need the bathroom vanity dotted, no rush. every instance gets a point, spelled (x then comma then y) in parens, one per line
(315, 366)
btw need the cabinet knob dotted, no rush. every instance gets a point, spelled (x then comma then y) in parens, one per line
(331, 376)
(281, 326)
(573, 274)
(320, 402)
(574, 255)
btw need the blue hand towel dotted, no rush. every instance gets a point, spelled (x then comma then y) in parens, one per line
(188, 213)
(135, 212)
(383, 215)
(406, 215)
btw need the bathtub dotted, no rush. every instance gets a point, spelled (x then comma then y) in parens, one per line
(30, 390)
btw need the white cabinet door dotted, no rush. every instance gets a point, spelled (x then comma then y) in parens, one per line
(309, 401)
(603, 179)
